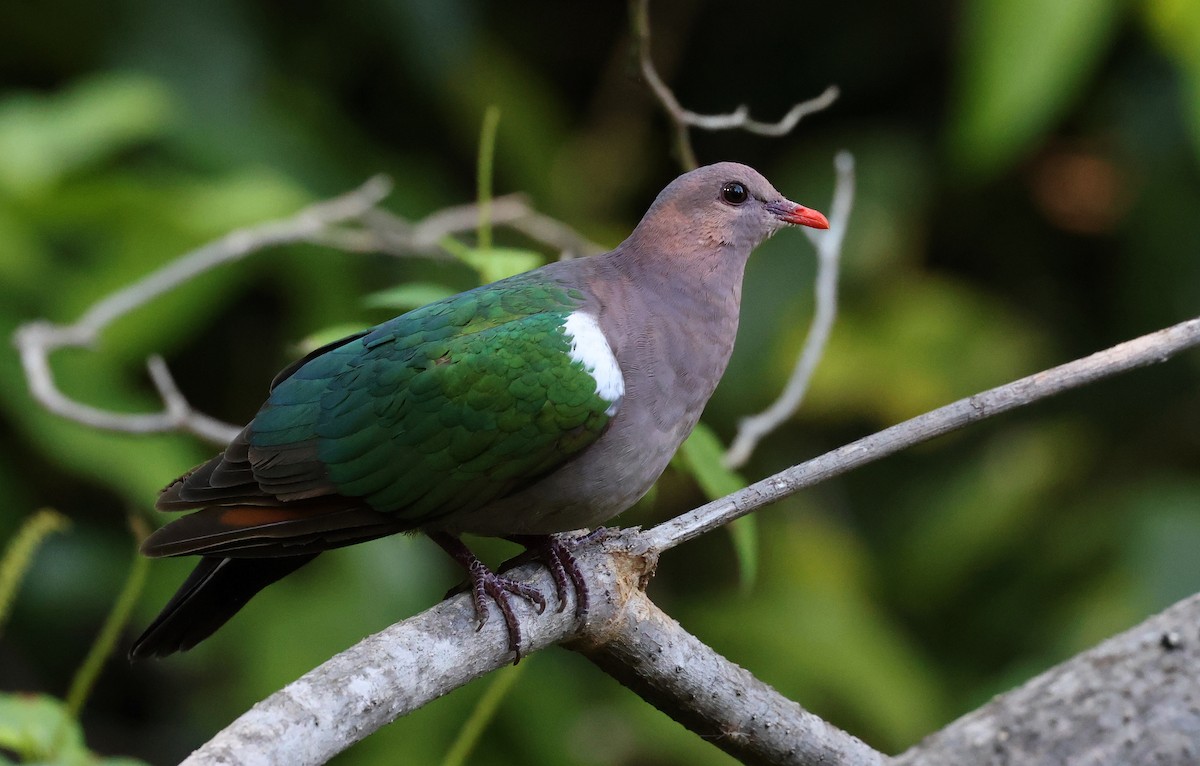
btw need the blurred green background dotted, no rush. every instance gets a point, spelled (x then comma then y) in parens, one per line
(1028, 193)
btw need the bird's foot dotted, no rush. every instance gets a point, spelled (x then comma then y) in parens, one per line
(558, 554)
(486, 584)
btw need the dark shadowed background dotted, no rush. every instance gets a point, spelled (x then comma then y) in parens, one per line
(1028, 193)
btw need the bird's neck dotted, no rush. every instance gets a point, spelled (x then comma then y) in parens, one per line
(698, 280)
(677, 319)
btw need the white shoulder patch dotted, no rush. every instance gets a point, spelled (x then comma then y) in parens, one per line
(590, 348)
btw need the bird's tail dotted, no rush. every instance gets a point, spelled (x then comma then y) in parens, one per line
(243, 549)
(215, 590)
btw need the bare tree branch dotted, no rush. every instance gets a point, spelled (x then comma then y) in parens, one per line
(415, 661)
(723, 703)
(829, 253)
(424, 657)
(321, 223)
(1129, 701)
(684, 119)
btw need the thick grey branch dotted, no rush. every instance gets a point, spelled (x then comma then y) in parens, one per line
(1133, 700)
(415, 661)
(711, 696)
(390, 674)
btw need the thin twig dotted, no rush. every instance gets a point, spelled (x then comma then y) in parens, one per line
(1148, 349)
(684, 118)
(36, 340)
(389, 233)
(321, 223)
(829, 252)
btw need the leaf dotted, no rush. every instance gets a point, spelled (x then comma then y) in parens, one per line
(408, 296)
(38, 729)
(42, 138)
(1021, 64)
(701, 457)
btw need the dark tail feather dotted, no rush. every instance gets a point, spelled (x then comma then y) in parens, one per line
(215, 590)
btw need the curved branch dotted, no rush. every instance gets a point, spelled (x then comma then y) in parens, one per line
(321, 223)
(684, 118)
(722, 702)
(36, 340)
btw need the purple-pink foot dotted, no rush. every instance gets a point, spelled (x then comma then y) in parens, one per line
(558, 554)
(486, 584)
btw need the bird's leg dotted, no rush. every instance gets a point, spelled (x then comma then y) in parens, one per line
(558, 555)
(487, 584)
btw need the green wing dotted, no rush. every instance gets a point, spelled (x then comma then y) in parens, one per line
(436, 411)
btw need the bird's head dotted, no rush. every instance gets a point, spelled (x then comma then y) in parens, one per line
(721, 206)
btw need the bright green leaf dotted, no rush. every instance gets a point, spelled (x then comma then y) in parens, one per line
(702, 453)
(38, 729)
(33, 726)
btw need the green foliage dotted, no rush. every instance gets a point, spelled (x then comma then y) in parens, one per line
(837, 648)
(44, 139)
(1024, 62)
(19, 552)
(496, 263)
(39, 729)
(407, 297)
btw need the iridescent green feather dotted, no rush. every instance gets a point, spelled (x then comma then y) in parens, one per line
(446, 407)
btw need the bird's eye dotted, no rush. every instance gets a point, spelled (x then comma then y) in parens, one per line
(734, 193)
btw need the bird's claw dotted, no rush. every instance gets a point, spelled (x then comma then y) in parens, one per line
(485, 585)
(558, 554)
(555, 552)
